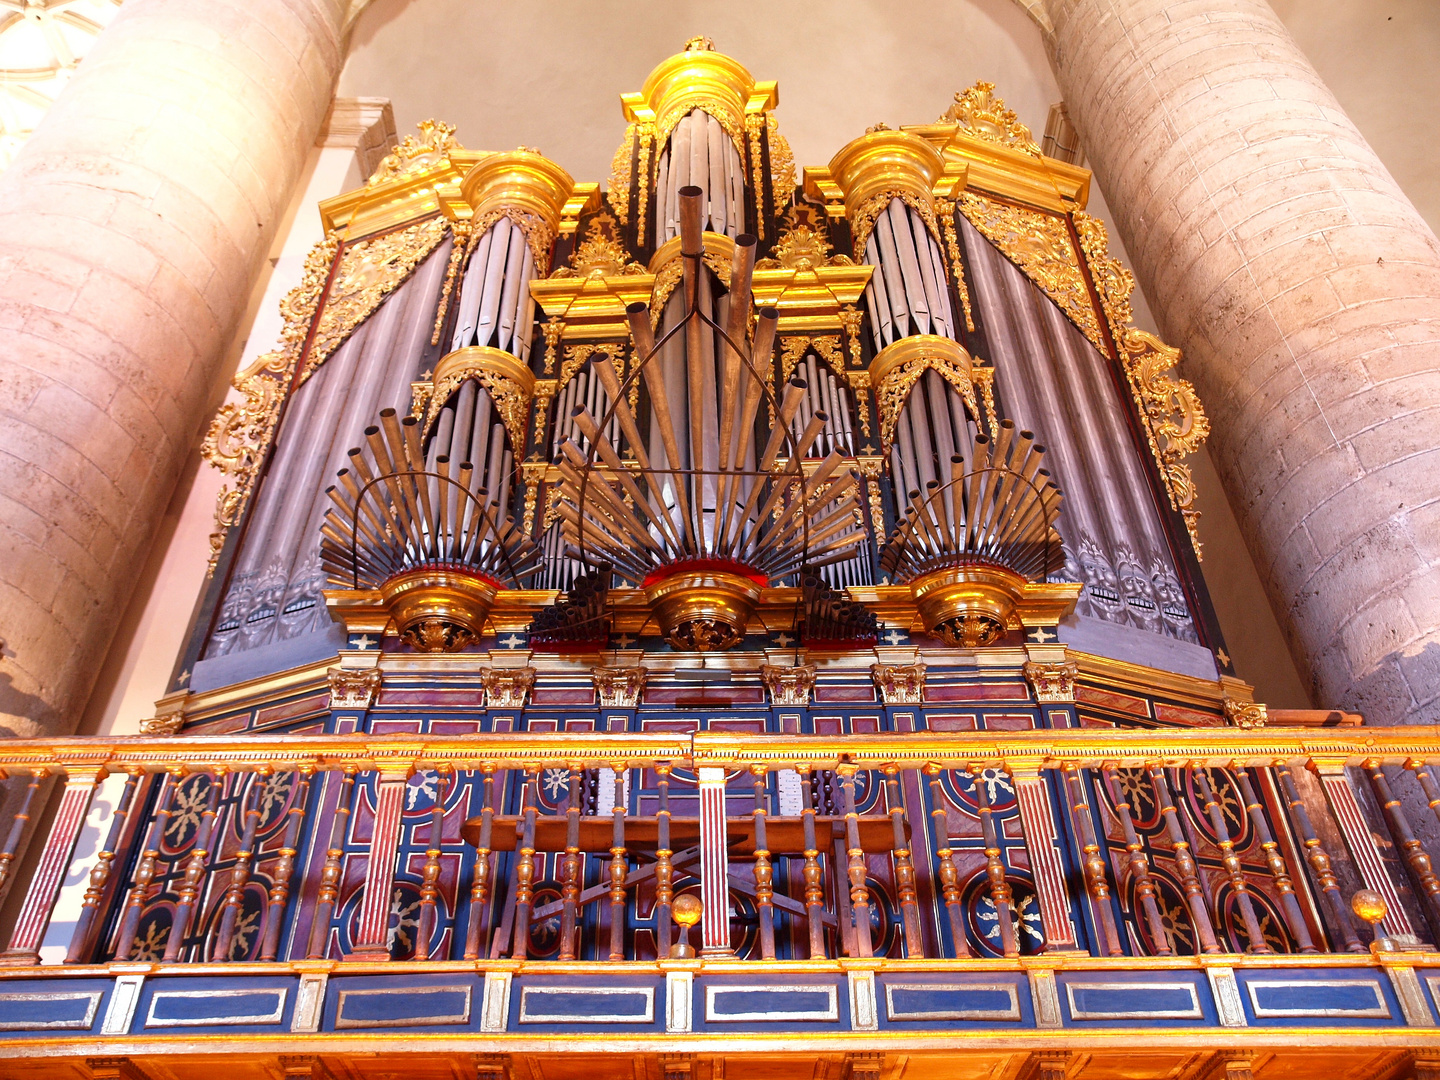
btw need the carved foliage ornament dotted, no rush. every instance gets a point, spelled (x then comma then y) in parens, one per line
(788, 685)
(1052, 683)
(899, 684)
(1245, 714)
(619, 688)
(669, 275)
(511, 399)
(507, 688)
(618, 194)
(600, 254)
(981, 114)
(351, 689)
(415, 155)
(868, 212)
(890, 395)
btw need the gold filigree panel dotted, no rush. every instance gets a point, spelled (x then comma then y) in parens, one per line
(980, 113)
(414, 155)
(618, 194)
(868, 212)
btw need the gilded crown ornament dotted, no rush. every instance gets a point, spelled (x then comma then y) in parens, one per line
(982, 114)
(415, 155)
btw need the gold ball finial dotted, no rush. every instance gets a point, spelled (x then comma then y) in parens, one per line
(1369, 905)
(687, 909)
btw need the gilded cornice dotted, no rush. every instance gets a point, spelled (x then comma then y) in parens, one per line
(809, 287)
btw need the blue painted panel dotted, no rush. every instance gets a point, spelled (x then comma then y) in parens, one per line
(1136, 999)
(42, 1010)
(200, 1008)
(403, 1006)
(951, 1002)
(1318, 998)
(580, 1005)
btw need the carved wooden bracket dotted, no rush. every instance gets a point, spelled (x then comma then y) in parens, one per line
(351, 689)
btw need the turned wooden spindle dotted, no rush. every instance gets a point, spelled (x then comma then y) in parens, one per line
(570, 867)
(278, 900)
(1184, 861)
(478, 923)
(1000, 892)
(430, 874)
(904, 865)
(814, 880)
(619, 865)
(945, 859)
(81, 945)
(19, 823)
(855, 871)
(664, 868)
(1231, 861)
(1426, 778)
(1096, 882)
(764, 871)
(145, 868)
(1318, 859)
(525, 864)
(1145, 890)
(329, 889)
(1289, 905)
(1400, 831)
(195, 868)
(240, 874)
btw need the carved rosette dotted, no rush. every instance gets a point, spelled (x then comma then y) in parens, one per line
(619, 688)
(1052, 683)
(788, 685)
(350, 689)
(507, 688)
(899, 684)
(1245, 714)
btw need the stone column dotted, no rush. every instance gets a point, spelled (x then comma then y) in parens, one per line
(1304, 289)
(132, 226)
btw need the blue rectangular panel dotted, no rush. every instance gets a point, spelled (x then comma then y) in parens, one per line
(586, 1005)
(49, 1012)
(772, 1003)
(410, 1006)
(951, 1001)
(1133, 1001)
(204, 1008)
(1311, 997)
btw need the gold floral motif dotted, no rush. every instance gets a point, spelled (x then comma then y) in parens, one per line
(239, 436)
(416, 155)
(899, 684)
(544, 392)
(537, 233)
(669, 275)
(1175, 421)
(619, 688)
(534, 473)
(600, 254)
(985, 116)
(957, 267)
(782, 161)
(351, 689)
(860, 387)
(1040, 245)
(459, 251)
(507, 688)
(803, 247)
(511, 398)
(553, 330)
(898, 377)
(793, 350)
(368, 272)
(618, 194)
(642, 173)
(985, 378)
(1245, 714)
(753, 124)
(788, 685)
(851, 318)
(868, 212)
(1052, 683)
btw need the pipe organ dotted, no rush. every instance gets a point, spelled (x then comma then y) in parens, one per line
(734, 609)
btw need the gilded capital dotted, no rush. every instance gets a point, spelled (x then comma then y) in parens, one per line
(699, 78)
(507, 688)
(522, 180)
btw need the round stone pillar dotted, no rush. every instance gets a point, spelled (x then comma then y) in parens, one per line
(132, 226)
(1304, 289)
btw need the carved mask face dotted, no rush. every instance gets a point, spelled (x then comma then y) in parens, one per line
(1173, 607)
(1102, 585)
(1139, 593)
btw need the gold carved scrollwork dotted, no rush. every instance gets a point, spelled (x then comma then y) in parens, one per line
(507, 381)
(600, 254)
(985, 379)
(1040, 245)
(980, 113)
(866, 214)
(553, 330)
(669, 275)
(957, 267)
(507, 688)
(870, 468)
(416, 155)
(851, 318)
(618, 195)
(753, 124)
(240, 434)
(642, 172)
(459, 252)
(1052, 683)
(1175, 421)
(1245, 714)
(537, 233)
(899, 684)
(899, 366)
(793, 350)
(782, 160)
(619, 688)
(788, 685)
(351, 689)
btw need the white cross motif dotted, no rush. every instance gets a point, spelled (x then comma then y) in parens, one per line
(1041, 637)
(624, 641)
(783, 640)
(364, 641)
(514, 641)
(894, 637)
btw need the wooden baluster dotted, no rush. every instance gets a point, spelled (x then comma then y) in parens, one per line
(1294, 919)
(1184, 862)
(859, 890)
(1400, 832)
(80, 943)
(49, 873)
(329, 890)
(430, 875)
(240, 873)
(764, 871)
(1139, 867)
(619, 865)
(1094, 863)
(1427, 784)
(949, 875)
(19, 824)
(525, 865)
(904, 866)
(570, 867)
(664, 869)
(1318, 859)
(480, 886)
(814, 881)
(1000, 892)
(278, 899)
(145, 868)
(195, 868)
(1241, 888)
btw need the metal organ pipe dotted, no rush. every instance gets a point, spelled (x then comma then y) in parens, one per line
(700, 153)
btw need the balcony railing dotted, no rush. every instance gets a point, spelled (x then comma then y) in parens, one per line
(581, 846)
